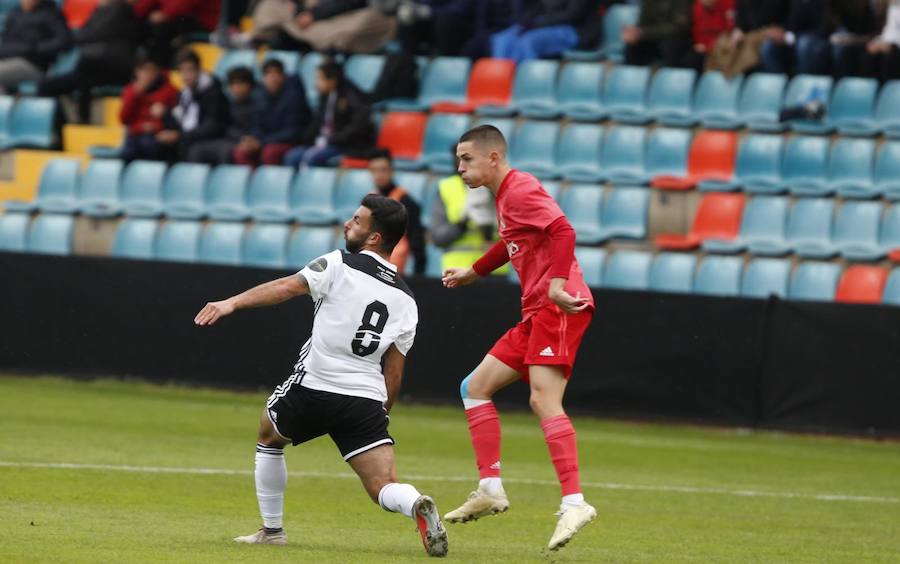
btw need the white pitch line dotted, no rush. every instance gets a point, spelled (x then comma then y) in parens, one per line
(525, 481)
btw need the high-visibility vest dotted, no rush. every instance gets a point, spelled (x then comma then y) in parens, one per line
(463, 252)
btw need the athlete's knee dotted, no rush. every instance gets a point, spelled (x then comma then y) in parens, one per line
(544, 404)
(268, 435)
(374, 486)
(464, 385)
(473, 387)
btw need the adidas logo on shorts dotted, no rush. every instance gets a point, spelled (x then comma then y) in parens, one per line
(547, 352)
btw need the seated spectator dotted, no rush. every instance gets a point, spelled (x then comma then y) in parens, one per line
(241, 121)
(34, 34)
(168, 20)
(548, 28)
(381, 166)
(802, 45)
(662, 34)
(107, 47)
(342, 124)
(281, 115)
(856, 24)
(881, 59)
(145, 103)
(201, 113)
(741, 52)
(712, 19)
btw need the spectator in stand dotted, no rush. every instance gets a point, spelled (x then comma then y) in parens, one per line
(856, 24)
(741, 52)
(548, 28)
(145, 103)
(34, 34)
(281, 115)
(168, 20)
(241, 121)
(803, 44)
(663, 33)
(381, 167)
(107, 48)
(342, 124)
(881, 59)
(201, 113)
(712, 19)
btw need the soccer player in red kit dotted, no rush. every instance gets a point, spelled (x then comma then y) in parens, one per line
(557, 307)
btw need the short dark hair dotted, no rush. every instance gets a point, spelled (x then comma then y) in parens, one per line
(188, 56)
(332, 70)
(381, 154)
(388, 218)
(273, 64)
(485, 135)
(241, 75)
(143, 59)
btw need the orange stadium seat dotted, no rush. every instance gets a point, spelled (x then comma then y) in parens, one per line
(77, 12)
(718, 217)
(862, 284)
(490, 83)
(712, 157)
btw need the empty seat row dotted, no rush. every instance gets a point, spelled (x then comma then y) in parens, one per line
(27, 123)
(47, 234)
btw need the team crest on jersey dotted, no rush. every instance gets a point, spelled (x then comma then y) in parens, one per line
(512, 248)
(318, 265)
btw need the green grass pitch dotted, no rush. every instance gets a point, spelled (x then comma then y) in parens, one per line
(107, 471)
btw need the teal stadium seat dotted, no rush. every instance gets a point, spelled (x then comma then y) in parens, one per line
(856, 231)
(810, 228)
(432, 189)
(627, 270)
(444, 80)
(352, 187)
(178, 240)
(184, 191)
(814, 281)
(887, 111)
(579, 92)
(226, 193)
(312, 196)
(507, 126)
(51, 234)
(364, 71)
(582, 204)
(265, 245)
(673, 273)
(591, 261)
(670, 98)
(758, 166)
(805, 166)
(57, 189)
(308, 243)
(434, 258)
(622, 156)
(760, 102)
(135, 238)
(268, 194)
(534, 90)
(851, 167)
(613, 48)
(624, 214)
(891, 295)
(852, 107)
(307, 73)
(578, 153)
(414, 183)
(886, 175)
(889, 238)
(221, 243)
(141, 188)
(441, 134)
(6, 106)
(765, 277)
(31, 124)
(763, 228)
(553, 188)
(533, 148)
(799, 91)
(667, 152)
(233, 58)
(625, 94)
(99, 188)
(718, 276)
(14, 231)
(716, 101)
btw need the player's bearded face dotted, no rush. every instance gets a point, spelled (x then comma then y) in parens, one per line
(357, 230)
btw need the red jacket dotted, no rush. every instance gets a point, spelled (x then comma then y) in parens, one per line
(711, 22)
(204, 11)
(135, 112)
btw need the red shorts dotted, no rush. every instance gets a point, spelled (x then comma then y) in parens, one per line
(549, 337)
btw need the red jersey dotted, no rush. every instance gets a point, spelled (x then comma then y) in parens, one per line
(524, 210)
(710, 22)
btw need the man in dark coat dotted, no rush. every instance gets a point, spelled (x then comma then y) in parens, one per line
(34, 34)
(241, 121)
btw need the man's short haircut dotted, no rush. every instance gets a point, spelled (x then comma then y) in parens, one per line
(486, 136)
(388, 218)
(143, 59)
(381, 154)
(273, 64)
(242, 75)
(331, 70)
(187, 56)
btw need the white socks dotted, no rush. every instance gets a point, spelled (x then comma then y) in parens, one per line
(572, 500)
(470, 403)
(492, 486)
(271, 478)
(398, 498)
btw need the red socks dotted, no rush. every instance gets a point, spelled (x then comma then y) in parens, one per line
(560, 437)
(484, 427)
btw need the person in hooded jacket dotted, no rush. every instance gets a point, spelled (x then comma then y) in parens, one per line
(34, 34)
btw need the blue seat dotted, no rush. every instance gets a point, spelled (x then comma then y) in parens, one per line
(889, 239)
(235, 58)
(178, 240)
(307, 73)
(534, 89)
(265, 245)
(221, 243)
(553, 188)
(352, 187)
(444, 80)
(805, 166)
(763, 229)
(625, 92)
(226, 193)
(579, 91)
(613, 49)
(624, 214)
(14, 231)
(856, 231)
(184, 191)
(667, 152)
(312, 196)
(51, 234)
(290, 60)
(815, 281)
(852, 107)
(716, 101)
(57, 190)
(851, 168)
(582, 205)
(887, 111)
(578, 153)
(441, 134)
(591, 261)
(307, 244)
(760, 101)
(135, 238)
(364, 71)
(434, 258)
(6, 106)
(766, 277)
(670, 97)
(414, 183)
(31, 124)
(891, 293)
(99, 188)
(718, 276)
(673, 272)
(886, 175)
(533, 148)
(801, 89)
(432, 190)
(268, 195)
(622, 156)
(506, 126)
(141, 189)
(758, 166)
(810, 227)
(627, 270)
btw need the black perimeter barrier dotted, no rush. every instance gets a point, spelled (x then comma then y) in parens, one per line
(758, 363)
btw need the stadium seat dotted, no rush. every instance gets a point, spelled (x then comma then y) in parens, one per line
(77, 12)
(627, 270)
(553, 188)
(889, 238)
(135, 238)
(402, 134)
(851, 167)
(506, 126)
(582, 205)
(6, 106)
(14, 231)
(265, 245)
(291, 61)
(670, 96)
(886, 175)
(579, 91)
(490, 84)
(758, 166)
(533, 148)
(762, 231)
(364, 71)
(221, 243)
(226, 193)
(591, 260)
(184, 191)
(718, 217)
(414, 183)
(432, 189)
(534, 90)
(622, 156)
(31, 124)
(268, 194)
(235, 58)
(178, 240)
(667, 152)
(352, 187)
(766, 277)
(852, 107)
(801, 89)
(613, 48)
(578, 153)
(99, 188)
(718, 276)
(810, 227)
(760, 102)
(444, 80)
(805, 166)
(312, 196)
(862, 284)
(673, 272)
(712, 157)
(307, 72)
(887, 111)
(816, 281)
(856, 231)
(891, 293)
(308, 243)
(624, 214)
(51, 234)
(57, 191)
(716, 101)
(441, 134)
(208, 53)
(142, 188)
(625, 92)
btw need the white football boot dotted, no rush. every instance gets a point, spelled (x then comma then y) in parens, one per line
(262, 537)
(434, 536)
(571, 520)
(479, 504)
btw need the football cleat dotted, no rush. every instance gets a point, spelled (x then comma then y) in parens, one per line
(571, 520)
(434, 536)
(262, 537)
(479, 504)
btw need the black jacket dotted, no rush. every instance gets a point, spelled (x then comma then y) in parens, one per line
(281, 118)
(583, 15)
(241, 119)
(751, 15)
(38, 36)
(111, 34)
(415, 232)
(213, 113)
(353, 131)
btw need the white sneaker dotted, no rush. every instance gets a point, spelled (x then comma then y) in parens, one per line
(571, 520)
(262, 537)
(434, 536)
(479, 504)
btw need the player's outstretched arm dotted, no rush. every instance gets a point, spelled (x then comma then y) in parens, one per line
(394, 361)
(454, 277)
(267, 294)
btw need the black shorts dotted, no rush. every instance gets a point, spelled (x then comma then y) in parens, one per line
(354, 424)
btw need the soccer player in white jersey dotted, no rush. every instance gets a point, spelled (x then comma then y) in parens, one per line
(364, 314)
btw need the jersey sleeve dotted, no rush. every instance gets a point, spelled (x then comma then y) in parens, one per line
(405, 340)
(321, 273)
(533, 207)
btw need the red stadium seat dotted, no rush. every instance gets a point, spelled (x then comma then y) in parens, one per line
(862, 284)
(712, 157)
(402, 133)
(77, 12)
(718, 217)
(490, 83)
